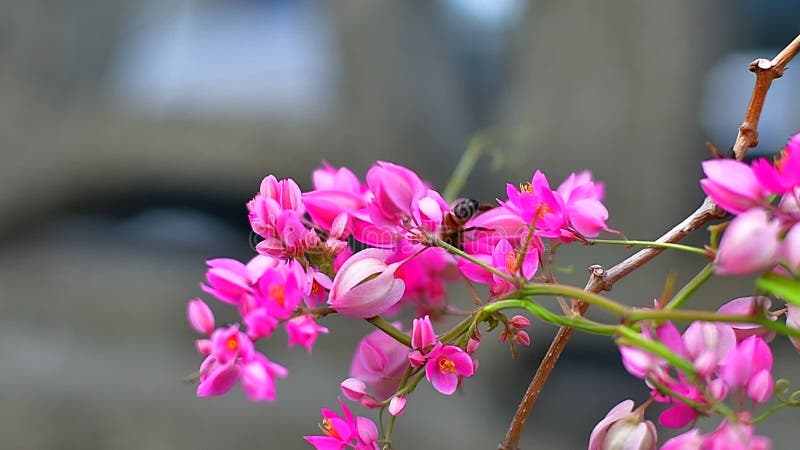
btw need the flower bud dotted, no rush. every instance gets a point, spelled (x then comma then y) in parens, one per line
(732, 185)
(522, 338)
(200, 316)
(519, 322)
(623, 428)
(365, 285)
(353, 388)
(422, 335)
(397, 406)
(760, 387)
(750, 244)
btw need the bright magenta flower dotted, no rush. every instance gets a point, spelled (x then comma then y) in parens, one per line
(750, 244)
(279, 292)
(229, 343)
(228, 280)
(784, 175)
(256, 372)
(446, 366)
(348, 431)
(396, 189)
(273, 198)
(423, 337)
(379, 361)
(365, 286)
(623, 428)
(732, 185)
(750, 362)
(690, 440)
(535, 203)
(583, 204)
(304, 330)
(260, 323)
(200, 316)
(425, 276)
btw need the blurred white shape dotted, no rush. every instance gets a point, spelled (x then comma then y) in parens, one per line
(488, 14)
(242, 58)
(727, 89)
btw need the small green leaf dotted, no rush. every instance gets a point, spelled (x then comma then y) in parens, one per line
(783, 287)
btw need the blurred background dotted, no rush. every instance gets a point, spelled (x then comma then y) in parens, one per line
(133, 133)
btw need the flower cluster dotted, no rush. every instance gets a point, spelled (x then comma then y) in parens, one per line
(727, 363)
(765, 198)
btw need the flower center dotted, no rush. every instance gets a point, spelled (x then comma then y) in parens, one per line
(525, 187)
(315, 288)
(278, 294)
(447, 366)
(232, 343)
(541, 210)
(329, 430)
(511, 262)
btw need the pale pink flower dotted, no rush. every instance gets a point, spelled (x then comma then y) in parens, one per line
(379, 361)
(742, 364)
(735, 436)
(353, 389)
(790, 249)
(793, 321)
(707, 344)
(200, 316)
(750, 244)
(397, 406)
(690, 440)
(623, 428)
(365, 285)
(749, 306)
(446, 366)
(303, 330)
(732, 185)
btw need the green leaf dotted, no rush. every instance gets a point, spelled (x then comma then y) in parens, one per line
(783, 287)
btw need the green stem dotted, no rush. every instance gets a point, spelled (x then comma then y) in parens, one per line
(458, 252)
(465, 165)
(457, 330)
(570, 291)
(385, 326)
(686, 315)
(674, 246)
(633, 338)
(718, 406)
(573, 321)
(691, 287)
(770, 411)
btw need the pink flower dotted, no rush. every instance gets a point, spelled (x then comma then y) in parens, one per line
(537, 204)
(342, 179)
(784, 175)
(746, 361)
(397, 406)
(707, 344)
(260, 324)
(735, 436)
(379, 361)
(750, 244)
(793, 321)
(353, 389)
(583, 204)
(446, 366)
(279, 290)
(641, 363)
(623, 428)
(679, 414)
(690, 440)
(790, 250)
(425, 276)
(359, 433)
(365, 285)
(228, 280)
(396, 190)
(748, 306)
(273, 198)
(256, 372)
(258, 378)
(324, 206)
(303, 330)
(200, 316)
(423, 337)
(229, 343)
(732, 185)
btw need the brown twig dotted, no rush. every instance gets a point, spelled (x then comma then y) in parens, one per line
(765, 71)
(603, 280)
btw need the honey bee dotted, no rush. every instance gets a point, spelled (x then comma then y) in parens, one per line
(462, 210)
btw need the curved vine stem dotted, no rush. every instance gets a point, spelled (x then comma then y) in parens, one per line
(765, 71)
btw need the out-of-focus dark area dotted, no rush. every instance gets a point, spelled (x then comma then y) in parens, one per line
(133, 133)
